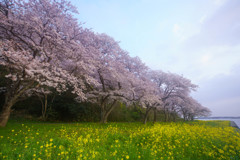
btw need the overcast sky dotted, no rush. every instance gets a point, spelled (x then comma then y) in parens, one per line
(197, 39)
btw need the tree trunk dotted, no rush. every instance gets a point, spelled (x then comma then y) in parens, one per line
(5, 114)
(50, 106)
(155, 115)
(168, 116)
(192, 118)
(105, 113)
(146, 115)
(165, 115)
(10, 99)
(45, 108)
(44, 105)
(174, 117)
(104, 119)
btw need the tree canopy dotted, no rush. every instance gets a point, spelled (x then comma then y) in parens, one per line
(43, 47)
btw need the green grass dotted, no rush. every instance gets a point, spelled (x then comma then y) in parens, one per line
(203, 140)
(213, 123)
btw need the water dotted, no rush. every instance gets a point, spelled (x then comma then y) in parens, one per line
(236, 120)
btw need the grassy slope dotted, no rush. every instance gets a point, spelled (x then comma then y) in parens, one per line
(193, 140)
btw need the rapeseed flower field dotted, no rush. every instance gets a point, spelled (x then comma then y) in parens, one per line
(120, 141)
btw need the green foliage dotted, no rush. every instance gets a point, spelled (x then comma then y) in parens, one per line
(213, 123)
(65, 108)
(122, 113)
(28, 107)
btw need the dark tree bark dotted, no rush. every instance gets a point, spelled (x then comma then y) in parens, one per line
(103, 113)
(155, 115)
(174, 117)
(165, 114)
(5, 114)
(106, 110)
(46, 105)
(146, 114)
(43, 100)
(12, 96)
(184, 117)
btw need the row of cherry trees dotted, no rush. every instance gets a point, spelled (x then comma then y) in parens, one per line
(42, 46)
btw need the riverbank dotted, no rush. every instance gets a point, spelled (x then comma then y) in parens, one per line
(233, 124)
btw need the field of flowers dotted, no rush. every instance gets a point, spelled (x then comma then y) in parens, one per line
(196, 140)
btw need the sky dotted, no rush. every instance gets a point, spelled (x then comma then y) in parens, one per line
(197, 39)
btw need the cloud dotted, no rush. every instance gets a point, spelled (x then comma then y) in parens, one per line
(225, 107)
(202, 19)
(176, 29)
(222, 28)
(214, 47)
(216, 59)
(219, 2)
(205, 59)
(221, 93)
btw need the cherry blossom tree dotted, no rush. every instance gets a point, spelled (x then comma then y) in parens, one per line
(39, 41)
(43, 46)
(185, 107)
(113, 78)
(191, 108)
(144, 91)
(169, 86)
